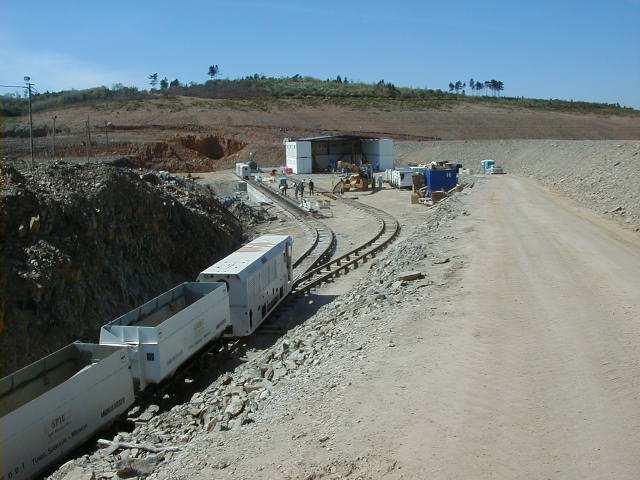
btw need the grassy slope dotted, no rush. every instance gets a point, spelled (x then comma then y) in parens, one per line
(359, 95)
(469, 119)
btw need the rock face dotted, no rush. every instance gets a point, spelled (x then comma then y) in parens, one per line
(83, 244)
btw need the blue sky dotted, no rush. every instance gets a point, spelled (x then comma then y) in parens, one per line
(585, 50)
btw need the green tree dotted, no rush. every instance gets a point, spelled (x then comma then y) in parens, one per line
(153, 80)
(452, 86)
(164, 84)
(392, 91)
(174, 83)
(213, 71)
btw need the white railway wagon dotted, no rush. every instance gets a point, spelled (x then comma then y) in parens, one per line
(258, 275)
(55, 404)
(165, 332)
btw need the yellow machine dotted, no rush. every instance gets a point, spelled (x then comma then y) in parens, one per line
(361, 179)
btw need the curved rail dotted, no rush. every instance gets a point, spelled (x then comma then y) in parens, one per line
(389, 230)
(324, 239)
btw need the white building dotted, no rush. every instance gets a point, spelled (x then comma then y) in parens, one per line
(321, 154)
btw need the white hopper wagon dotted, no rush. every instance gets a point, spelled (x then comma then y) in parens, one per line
(165, 332)
(258, 275)
(54, 405)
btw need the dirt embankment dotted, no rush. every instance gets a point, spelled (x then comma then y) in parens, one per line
(150, 129)
(82, 244)
(601, 175)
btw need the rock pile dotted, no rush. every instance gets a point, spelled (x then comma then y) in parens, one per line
(83, 244)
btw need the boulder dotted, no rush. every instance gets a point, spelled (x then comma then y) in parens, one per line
(409, 276)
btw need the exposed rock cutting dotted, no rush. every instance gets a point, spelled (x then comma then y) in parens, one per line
(83, 244)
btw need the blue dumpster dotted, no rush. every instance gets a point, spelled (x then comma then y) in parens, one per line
(439, 179)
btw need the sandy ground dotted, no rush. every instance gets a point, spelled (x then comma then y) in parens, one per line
(603, 175)
(520, 363)
(535, 373)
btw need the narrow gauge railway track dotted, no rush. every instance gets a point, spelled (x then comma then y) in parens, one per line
(323, 239)
(320, 250)
(321, 270)
(388, 230)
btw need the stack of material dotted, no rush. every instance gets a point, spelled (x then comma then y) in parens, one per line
(433, 182)
(419, 189)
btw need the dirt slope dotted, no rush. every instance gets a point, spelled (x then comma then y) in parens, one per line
(601, 175)
(262, 125)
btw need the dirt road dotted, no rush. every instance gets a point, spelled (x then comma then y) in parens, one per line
(528, 368)
(540, 373)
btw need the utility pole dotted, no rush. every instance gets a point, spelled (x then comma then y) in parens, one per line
(53, 145)
(29, 85)
(89, 136)
(106, 132)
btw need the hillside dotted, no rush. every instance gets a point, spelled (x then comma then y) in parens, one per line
(196, 134)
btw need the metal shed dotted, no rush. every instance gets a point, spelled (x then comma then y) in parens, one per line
(322, 153)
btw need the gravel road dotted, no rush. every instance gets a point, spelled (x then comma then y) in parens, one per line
(539, 377)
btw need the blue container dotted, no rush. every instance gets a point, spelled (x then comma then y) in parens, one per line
(441, 179)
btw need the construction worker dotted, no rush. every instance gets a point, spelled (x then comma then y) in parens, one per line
(301, 189)
(310, 187)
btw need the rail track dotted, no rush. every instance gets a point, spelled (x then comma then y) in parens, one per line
(315, 266)
(388, 230)
(322, 239)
